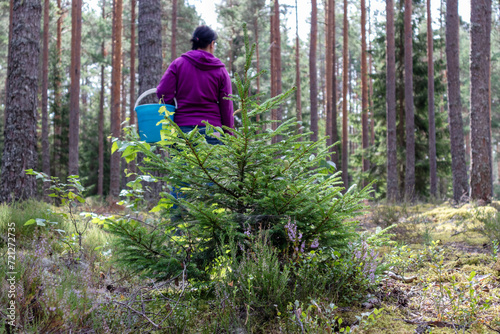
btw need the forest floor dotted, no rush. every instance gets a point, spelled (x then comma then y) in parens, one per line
(447, 277)
(444, 278)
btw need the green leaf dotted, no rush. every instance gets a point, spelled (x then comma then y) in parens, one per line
(30, 222)
(114, 147)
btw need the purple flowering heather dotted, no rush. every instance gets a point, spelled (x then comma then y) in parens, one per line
(315, 243)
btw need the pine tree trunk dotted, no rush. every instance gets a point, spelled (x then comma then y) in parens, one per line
(45, 89)
(11, 6)
(114, 187)
(123, 117)
(392, 159)
(345, 79)
(481, 174)
(257, 55)
(370, 81)
(333, 50)
(20, 140)
(329, 70)
(132, 165)
(100, 174)
(173, 52)
(458, 165)
(430, 102)
(74, 111)
(150, 60)
(56, 166)
(400, 93)
(298, 95)
(409, 112)
(364, 93)
(313, 72)
(276, 114)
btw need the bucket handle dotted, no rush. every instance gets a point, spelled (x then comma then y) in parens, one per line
(149, 92)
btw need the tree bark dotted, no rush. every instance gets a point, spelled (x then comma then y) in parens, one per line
(74, 113)
(11, 6)
(150, 58)
(458, 165)
(45, 89)
(370, 81)
(313, 72)
(409, 112)
(173, 52)
(364, 94)
(114, 187)
(392, 159)
(257, 55)
(345, 79)
(297, 70)
(329, 70)
(481, 174)
(276, 114)
(20, 142)
(430, 102)
(56, 166)
(132, 165)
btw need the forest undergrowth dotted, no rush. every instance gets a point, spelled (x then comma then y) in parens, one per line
(441, 275)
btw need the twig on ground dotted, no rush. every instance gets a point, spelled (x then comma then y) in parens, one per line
(400, 278)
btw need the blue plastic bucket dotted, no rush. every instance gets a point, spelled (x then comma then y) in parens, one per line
(148, 116)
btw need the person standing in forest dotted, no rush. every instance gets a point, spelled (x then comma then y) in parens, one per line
(200, 83)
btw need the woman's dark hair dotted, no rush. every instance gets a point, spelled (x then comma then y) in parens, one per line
(202, 37)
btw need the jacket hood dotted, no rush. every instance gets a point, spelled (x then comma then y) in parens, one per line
(203, 60)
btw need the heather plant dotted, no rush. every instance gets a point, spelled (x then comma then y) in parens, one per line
(254, 280)
(250, 183)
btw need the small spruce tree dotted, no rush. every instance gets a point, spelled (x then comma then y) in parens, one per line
(247, 185)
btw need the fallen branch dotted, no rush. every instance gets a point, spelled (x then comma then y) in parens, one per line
(439, 324)
(400, 278)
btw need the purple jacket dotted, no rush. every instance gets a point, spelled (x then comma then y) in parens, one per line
(199, 81)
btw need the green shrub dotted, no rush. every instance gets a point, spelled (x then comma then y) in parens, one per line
(490, 224)
(248, 184)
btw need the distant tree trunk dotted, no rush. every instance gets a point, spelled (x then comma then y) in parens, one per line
(481, 174)
(114, 186)
(345, 79)
(257, 55)
(276, 114)
(430, 102)
(74, 111)
(132, 70)
(150, 60)
(45, 89)
(400, 93)
(20, 142)
(313, 72)
(56, 166)
(364, 93)
(409, 113)
(100, 174)
(458, 165)
(392, 159)
(297, 69)
(173, 51)
(100, 179)
(370, 81)
(329, 61)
